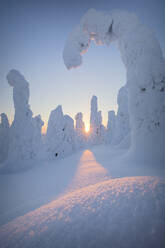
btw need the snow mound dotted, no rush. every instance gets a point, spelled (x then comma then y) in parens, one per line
(125, 212)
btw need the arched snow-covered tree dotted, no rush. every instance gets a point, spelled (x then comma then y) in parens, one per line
(4, 137)
(143, 58)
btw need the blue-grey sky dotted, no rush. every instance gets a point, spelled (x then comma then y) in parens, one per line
(33, 35)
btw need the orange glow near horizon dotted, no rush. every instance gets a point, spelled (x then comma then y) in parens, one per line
(87, 128)
(44, 128)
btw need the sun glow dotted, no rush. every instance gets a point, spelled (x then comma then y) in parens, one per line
(87, 128)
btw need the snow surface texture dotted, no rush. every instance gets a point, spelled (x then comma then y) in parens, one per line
(97, 130)
(4, 137)
(142, 56)
(122, 127)
(60, 136)
(85, 206)
(126, 213)
(25, 131)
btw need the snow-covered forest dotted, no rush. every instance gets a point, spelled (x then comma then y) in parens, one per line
(103, 188)
(23, 141)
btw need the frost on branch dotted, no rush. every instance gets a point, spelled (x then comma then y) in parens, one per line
(4, 137)
(60, 136)
(143, 58)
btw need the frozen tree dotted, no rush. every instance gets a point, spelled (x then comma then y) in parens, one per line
(110, 126)
(37, 137)
(122, 127)
(94, 125)
(143, 58)
(97, 130)
(60, 137)
(55, 132)
(79, 130)
(4, 137)
(22, 130)
(101, 128)
(69, 143)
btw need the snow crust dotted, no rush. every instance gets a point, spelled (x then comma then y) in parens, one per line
(80, 201)
(143, 58)
(113, 213)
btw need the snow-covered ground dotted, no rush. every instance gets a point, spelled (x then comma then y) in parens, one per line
(83, 201)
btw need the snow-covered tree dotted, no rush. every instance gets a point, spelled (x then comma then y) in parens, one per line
(143, 58)
(110, 126)
(60, 137)
(4, 137)
(79, 131)
(97, 130)
(37, 137)
(102, 130)
(22, 131)
(122, 128)
(69, 143)
(94, 125)
(55, 132)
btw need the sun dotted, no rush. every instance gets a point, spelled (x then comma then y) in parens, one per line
(87, 128)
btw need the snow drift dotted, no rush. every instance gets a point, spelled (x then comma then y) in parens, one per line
(123, 212)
